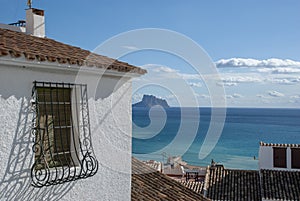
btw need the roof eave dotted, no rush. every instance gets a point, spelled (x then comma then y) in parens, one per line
(55, 67)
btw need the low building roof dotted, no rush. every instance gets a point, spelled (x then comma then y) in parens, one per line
(149, 184)
(280, 185)
(229, 184)
(17, 44)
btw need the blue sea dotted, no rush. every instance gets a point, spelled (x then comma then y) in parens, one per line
(237, 146)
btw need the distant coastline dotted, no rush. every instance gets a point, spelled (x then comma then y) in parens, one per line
(149, 101)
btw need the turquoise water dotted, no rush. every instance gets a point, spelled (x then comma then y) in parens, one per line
(239, 141)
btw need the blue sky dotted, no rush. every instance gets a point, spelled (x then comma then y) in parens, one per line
(250, 41)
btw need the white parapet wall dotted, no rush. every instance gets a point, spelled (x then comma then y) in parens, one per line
(265, 157)
(110, 118)
(13, 28)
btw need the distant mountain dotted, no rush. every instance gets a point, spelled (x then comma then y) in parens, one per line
(150, 100)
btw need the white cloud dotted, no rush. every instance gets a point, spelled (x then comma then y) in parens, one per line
(162, 69)
(275, 94)
(190, 76)
(195, 84)
(260, 96)
(279, 70)
(233, 80)
(241, 79)
(204, 96)
(295, 97)
(242, 62)
(227, 84)
(156, 72)
(229, 96)
(235, 95)
(130, 47)
(284, 81)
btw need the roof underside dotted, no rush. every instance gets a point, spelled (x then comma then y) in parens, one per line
(17, 44)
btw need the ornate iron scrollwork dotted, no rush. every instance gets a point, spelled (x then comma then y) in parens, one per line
(62, 147)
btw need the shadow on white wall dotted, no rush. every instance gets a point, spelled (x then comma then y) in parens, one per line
(16, 182)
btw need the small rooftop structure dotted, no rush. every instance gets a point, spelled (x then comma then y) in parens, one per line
(154, 164)
(33, 25)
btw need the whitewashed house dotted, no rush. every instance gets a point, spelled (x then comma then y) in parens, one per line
(65, 118)
(279, 156)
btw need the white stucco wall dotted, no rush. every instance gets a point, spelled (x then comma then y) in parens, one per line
(110, 118)
(265, 157)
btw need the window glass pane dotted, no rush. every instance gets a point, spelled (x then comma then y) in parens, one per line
(279, 157)
(54, 118)
(296, 158)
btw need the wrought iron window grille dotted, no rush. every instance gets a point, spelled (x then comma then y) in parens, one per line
(62, 147)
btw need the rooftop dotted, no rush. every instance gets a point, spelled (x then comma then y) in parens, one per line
(18, 44)
(228, 184)
(280, 185)
(149, 184)
(198, 187)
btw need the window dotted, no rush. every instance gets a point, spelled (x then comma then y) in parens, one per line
(279, 157)
(62, 148)
(295, 158)
(54, 123)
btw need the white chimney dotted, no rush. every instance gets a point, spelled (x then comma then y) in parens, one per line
(35, 22)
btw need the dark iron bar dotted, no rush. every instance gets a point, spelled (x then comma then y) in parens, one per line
(60, 133)
(47, 124)
(52, 160)
(78, 130)
(73, 134)
(55, 103)
(69, 141)
(61, 127)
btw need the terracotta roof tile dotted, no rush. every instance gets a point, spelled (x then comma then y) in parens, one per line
(227, 184)
(43, 49)
(280, 185)
(195, 186)
(148, 184)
